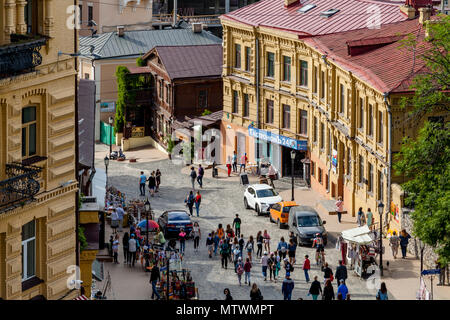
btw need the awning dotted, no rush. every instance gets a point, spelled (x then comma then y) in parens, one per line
(82, 297)
(360, 235)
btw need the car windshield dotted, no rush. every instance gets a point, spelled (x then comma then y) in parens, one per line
(178, 216)
(286, 209)
(266, 193)
(309, 221)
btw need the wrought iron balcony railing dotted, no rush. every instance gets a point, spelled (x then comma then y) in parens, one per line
(20, 57)
(20, 186)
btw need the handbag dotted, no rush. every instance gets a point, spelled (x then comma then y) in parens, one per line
(331, 277)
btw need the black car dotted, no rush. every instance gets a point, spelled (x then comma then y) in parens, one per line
(172, 221)
(305, 222)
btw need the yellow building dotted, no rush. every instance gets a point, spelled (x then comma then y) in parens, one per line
(311, 85)
(37, 150)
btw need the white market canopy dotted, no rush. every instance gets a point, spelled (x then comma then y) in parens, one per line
(360, 235)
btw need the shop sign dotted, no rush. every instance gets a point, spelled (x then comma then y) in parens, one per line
(137, 132)
(334, 160)
(278, 139)
(395, 211)
(108, 107)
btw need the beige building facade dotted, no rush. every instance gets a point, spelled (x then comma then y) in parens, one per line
(37, 150)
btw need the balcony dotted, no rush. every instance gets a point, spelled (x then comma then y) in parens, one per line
(21, 55)
(20, 187)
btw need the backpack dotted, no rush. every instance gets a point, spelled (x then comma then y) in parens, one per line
(240, 269)
(193, 174)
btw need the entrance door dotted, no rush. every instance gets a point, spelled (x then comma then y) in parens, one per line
(240, 145)
(287, 162)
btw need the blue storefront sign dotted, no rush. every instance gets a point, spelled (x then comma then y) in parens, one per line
(264, 135)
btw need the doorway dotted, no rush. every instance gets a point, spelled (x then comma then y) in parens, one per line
(287, 162)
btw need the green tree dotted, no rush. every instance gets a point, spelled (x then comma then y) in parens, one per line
(140, 62)
(425, 160)
(122, 97)
(206, 112)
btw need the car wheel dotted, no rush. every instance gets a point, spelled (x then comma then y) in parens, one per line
(270, 218)
(257, 210)
(278, 223)
(246, 204)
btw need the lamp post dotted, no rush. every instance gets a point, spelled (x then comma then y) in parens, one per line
(106, 166)
(380, 212)
(147, 209)
(111, 120)
(293, 154)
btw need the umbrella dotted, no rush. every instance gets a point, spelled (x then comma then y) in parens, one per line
(152, 225)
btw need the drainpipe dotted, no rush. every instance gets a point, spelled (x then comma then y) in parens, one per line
(386, 101)
(257, 90)
(175, 9)
(227, 6)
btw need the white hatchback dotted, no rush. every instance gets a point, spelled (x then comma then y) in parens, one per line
(260, 197)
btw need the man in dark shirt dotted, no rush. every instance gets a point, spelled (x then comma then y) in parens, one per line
(237, 225)
(154, 277)
(341, 273)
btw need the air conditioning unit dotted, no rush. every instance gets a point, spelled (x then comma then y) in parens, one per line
(197, 27)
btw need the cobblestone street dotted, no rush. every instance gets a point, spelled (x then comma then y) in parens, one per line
(222, 198)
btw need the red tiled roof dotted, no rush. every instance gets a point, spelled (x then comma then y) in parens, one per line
(352, 15)
(192, 61)
(389, 68)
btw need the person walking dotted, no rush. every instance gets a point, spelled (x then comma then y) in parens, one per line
(239, 269)
(342, 289)
(394, 242)
(327, 273)
(255, 293)
(190, 199)
(237, 225)
(247, 270)
(227, 294)
(115, 248)
(193, 176)
(234, 161)
(292, 248)
(197, 235)
(315, 288)
(404, 239)
(264, 265)
(288, 266)
(114, 221)
(244, 160)
(125, 239)
(328, 291)
(210, 245)
(382, 292)
(236, 253)
(282, 246)
(155, 275)
(339, 208)
(341, 273)
(120, 214)
(220, 232)
(132, 247)
(266, 241)
(158, 179)
(241, 244)
(287, 287)
(201, 172)
(160, 238)
(152, 183)
(250, 247)
(142, 180)
(224, 252)
(306, 268)
(360, 217)
(182, 238)
(197, 201)
(216, 240)
(259, 244)
(369, 218)
(272, 175)
(229, 166)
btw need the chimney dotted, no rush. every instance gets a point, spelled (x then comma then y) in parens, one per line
(197, 27)
(288, 3)
(424, 14)
(409, 11)
(120, 31)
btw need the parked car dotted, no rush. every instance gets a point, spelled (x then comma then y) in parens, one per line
(305, 222)
(260, 197)
(172, 221)
(279, 212)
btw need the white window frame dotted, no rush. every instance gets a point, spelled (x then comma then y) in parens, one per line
(25, 255)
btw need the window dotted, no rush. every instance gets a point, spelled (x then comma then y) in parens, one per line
(322, 135)
(320, 176)
(203, 99)
(31, 16)
(303, 73)
(28, 250)
(286, 69)
(248, 56)
(286, 116)
(315, 130)
(235, 102)
(380, 186)
(349, 161)
(237, 52)
(322, 85)
(370, 182)
(315, 79)
(361, 113)
(313, 169)
(90, 15)
(86, 75)
(29, 131)
(361, 169)
(81, 13)
(370, 131)
(161, 89)
(303, 122)
(269, 111)
(246, 105)
(380, 126)
(342, 101)
(270, 64)
(167, 93)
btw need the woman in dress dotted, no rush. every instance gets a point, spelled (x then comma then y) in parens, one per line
(266, 241)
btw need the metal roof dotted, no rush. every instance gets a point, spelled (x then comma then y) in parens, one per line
(352, 14)
(136, 43)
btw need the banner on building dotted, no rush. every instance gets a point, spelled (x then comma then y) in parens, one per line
(278, 139)
(334, 160)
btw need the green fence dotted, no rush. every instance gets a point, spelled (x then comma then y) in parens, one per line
(107, 133)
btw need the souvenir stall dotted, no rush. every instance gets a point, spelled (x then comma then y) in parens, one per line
(113, 198)
(359, 247)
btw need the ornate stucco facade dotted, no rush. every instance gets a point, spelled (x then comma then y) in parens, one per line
(37, 148)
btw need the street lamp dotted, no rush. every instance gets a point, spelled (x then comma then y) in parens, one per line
(111, 120)
(147, 209)
(380, 212)
(106, 166)
(293, 154)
